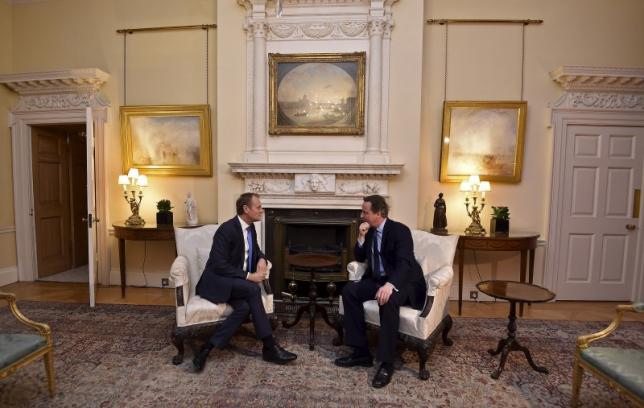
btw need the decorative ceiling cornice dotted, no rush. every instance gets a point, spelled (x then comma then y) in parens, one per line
(599, 79)
(85, 80)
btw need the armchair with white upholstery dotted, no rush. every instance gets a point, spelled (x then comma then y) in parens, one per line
(198, 317)
(419, 329)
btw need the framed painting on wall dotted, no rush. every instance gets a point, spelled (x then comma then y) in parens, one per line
(316, 94)
(172, 140)
(484, 138)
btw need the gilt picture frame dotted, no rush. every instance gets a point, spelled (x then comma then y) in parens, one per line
(317, 94)
(168, 140)
(484, 138)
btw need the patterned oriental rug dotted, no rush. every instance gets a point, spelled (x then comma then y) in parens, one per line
(119, 356)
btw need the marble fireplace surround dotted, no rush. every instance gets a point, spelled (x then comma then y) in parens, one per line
(310, 171)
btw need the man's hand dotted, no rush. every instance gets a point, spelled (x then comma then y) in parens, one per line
(362, 231)
(261, 274)
(384, 293)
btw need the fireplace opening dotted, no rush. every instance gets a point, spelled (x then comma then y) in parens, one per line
(318, 234)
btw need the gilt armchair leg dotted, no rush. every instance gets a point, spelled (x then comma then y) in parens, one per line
(177, 340)
(577, 376)
(49, 368)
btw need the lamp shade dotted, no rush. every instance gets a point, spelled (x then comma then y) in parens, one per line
(485, 186)
(143, 181)
(466, 186)
(124, 180)
(475, 179)
(133, 173)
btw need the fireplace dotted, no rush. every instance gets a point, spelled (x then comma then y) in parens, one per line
(309, 231)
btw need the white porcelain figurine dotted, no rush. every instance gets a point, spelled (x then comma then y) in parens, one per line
(191, 210)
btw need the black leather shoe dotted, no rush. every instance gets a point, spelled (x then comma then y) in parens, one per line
(200, 359)
(354, 360)
(277, 355)
(382, 377)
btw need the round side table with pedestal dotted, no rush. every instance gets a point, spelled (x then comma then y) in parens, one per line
(514, 292)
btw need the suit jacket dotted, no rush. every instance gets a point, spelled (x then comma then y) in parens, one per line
(398, 261)
(226, 261)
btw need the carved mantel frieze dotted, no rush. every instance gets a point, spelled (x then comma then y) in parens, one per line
(53, 90)
(315, 185)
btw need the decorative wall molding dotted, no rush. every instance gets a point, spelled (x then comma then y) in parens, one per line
(600, 100)
(8, 275)
(7, 229)
(366, 25)
(63, 89)
(599, 79)
(289, 185)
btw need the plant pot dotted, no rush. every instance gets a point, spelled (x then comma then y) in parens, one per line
(499, 226)
(164, 218)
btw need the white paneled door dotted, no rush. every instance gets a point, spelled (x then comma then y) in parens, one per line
(600, 228)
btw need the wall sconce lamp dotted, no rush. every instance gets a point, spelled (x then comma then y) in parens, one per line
(134, 182)
(475, 188)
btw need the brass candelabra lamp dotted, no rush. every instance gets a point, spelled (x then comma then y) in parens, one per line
(475, 189)
(135, 183)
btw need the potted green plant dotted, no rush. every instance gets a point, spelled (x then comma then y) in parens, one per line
(164, 215)
(500, 222)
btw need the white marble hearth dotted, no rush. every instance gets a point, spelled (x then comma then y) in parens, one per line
(289, 185)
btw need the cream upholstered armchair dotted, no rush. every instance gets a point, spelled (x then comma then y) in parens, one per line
(196, 316)
(419, 329)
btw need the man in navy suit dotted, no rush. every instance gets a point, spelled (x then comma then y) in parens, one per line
(393, 278)
(234, 269)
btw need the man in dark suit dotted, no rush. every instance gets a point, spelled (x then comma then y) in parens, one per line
(393, 278)
(234, 270)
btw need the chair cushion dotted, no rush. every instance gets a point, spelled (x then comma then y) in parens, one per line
(625, 366)
(410, 321)
(200, 310)
(13, 347)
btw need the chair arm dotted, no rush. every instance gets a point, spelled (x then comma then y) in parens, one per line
(584, 341)
(42, 328)
(439, 279)
(179, 271)
(356, 270)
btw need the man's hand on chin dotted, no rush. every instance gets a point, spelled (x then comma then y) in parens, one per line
(384, 293)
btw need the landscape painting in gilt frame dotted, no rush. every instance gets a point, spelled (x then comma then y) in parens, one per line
(484, 138)
(316, 94)
(171, 140)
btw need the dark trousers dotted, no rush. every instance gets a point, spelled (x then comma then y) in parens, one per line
(353, 295)
(245, 298)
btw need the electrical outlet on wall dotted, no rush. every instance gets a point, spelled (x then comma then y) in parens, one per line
(474, 294)
(165, 282)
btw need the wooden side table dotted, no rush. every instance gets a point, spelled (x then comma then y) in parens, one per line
(150, 232)
(524, 242)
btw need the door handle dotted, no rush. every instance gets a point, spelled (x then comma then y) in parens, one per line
(631, 227)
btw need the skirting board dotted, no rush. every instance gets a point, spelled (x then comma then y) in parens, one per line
(137, 278)
(8, 275)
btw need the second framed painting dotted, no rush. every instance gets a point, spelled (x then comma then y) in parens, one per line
(170, 140)
(483, 138)
(316, 94)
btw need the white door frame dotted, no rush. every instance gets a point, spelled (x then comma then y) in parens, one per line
(595, 97)
(21, 123)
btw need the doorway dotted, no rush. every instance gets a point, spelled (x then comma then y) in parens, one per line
(59, 176)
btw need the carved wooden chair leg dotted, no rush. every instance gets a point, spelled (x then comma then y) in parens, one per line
(577, 376)
(447, 326)
(274, 321)
(339, 329)
(49, 367)
(423, 352)
(177, 340)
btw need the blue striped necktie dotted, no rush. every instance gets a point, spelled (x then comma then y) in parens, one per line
(376, 254)
(249, 239)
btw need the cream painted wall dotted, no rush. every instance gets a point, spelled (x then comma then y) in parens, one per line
(162, 68)
(7, 225)
(485, 64)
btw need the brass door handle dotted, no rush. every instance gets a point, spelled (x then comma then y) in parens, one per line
(631, 227)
